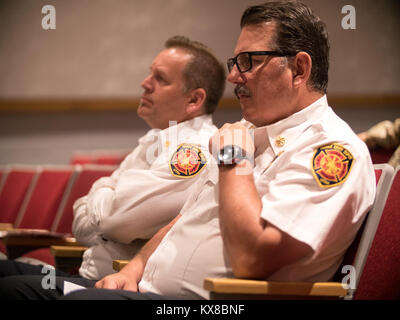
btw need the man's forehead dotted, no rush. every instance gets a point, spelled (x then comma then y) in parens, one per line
(170, 58)
(256, 37)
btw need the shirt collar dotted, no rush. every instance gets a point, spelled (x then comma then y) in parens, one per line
(176, 129)
(280, 135)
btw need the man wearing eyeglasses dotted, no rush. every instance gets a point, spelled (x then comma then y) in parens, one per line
(282, 206)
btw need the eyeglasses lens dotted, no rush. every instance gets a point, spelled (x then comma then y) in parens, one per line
(243, 61)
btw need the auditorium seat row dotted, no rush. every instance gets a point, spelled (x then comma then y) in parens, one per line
(42, 197)
(370, 269)
(107, 157)
(36, 204)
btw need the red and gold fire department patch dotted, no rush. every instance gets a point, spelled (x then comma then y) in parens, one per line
(331, 165)
(187, 161)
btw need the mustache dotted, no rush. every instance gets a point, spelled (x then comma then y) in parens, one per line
(241, 90)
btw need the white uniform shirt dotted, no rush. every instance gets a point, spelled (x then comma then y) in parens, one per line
(295, 199)
(140, 197)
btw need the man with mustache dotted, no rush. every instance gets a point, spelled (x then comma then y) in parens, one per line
(284, 206)
(146, 192)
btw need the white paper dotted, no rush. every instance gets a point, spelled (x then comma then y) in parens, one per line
(70, 287)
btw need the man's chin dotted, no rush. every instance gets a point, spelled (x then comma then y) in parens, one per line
(248, 113)
(245, 105)
(143, 109)
(141, 113)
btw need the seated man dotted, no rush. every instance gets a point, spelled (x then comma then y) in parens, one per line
(284, 206)
(146, 192)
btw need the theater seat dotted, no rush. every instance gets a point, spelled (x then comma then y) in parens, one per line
(38, 209)
(67, 257)
(375, 251)
(102, 157)
(380, 278)
(380, 155)
(17, 184)
(42, 206)
(88, 174)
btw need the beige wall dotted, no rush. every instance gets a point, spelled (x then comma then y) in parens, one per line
(103, 48)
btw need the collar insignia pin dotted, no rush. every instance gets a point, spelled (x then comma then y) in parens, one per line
(280, 141)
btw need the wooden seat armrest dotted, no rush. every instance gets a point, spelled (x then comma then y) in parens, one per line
(227, 286)
(68, 251)
(119, 264)
(21, 243)
(6, 226)
(38, 241)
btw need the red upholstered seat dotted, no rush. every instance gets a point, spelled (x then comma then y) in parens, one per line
(349, 258)
(380, 278)
(52, 185)
(110, 158)
(81, 159)
(103, 157)
(84, 181)
(86, 176)
(380, 155)
(45, 199)
(31, 197)
(2, 176)
(14, 189)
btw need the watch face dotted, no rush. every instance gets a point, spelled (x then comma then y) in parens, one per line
(226, 154)
(229, 155)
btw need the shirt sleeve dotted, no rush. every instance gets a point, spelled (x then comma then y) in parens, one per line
(88, 210)
(144, 201)
(294, 202)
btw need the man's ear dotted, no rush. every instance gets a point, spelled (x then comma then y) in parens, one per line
(197, 98)
(301, 68)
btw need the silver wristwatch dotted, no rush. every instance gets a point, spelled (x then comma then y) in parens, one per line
(231, 155)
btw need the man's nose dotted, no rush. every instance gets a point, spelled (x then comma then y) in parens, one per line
(146, 84)
(235, 76)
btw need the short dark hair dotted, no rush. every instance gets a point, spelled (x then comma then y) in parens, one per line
(204, 70)
(297, 29)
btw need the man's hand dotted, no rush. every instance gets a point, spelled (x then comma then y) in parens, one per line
(120, 281)
(232, 133)
(130, 275)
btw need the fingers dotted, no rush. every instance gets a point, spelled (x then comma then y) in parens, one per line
(106, 283)
(231, 133)
(116, 282)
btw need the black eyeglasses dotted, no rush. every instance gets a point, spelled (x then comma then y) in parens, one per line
(244, 61)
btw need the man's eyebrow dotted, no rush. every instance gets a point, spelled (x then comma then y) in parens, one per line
(159, 71)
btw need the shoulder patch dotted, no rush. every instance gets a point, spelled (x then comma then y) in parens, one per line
(331, 165)
(187, 161)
